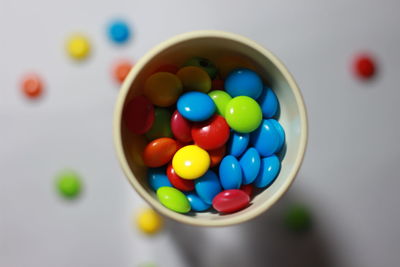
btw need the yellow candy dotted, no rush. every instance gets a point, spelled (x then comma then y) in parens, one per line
(78, 47)
(191, 162)
(163, 89)
(194, 79)
(149, 221)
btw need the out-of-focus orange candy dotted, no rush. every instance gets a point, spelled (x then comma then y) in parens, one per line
(32, 86)
(216, 155)
(159, 152)
(121, 70)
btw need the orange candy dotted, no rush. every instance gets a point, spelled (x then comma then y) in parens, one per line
(216, 155)
(159, 152)
(121, 70)
(32, 86)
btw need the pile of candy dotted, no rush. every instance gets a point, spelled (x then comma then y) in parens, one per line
(194, 135)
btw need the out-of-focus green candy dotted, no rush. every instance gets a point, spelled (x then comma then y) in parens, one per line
(203, 63)
(68, 184)
(243, 114)
(161, 125)
(221, 99)
(298, 218)
(173, 199)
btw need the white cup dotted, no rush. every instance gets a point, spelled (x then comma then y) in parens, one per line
(227, 51)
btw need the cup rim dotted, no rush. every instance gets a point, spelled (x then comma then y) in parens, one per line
(152, 201)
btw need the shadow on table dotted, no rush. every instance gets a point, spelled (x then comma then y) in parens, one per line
(264, 241)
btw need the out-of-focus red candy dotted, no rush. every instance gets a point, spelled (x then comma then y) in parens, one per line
(139, 115)
(159, 152)
(181, 127)
(217, 84)
(231, 200)
(248, 189)
(168, 68)
(364, 66)
(32, 86)
(121, 70)
(178, 182)
(212, 133)
(216, 155)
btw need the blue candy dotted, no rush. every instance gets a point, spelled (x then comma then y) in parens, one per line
(268, 103)
(270, 168)
(269, 138)
(207, 186)
(157, 178)
(196, 106)
(230, 173)
(237, 143)
(196, 203)
(244, 82)
(119, 32)
(250, 163)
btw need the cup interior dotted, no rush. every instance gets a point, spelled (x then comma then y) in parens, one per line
(227, 51)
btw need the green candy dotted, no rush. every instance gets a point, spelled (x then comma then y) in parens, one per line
(161, 126)
(173, 199)
(298, 218)
(203, 63)
(221, 100)
(243, 114)
(68, 184)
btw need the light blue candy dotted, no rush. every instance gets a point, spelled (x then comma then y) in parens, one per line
(119, 31)
(244, 82)
(207, 186)
(270, 167)
(268, 103)
(230, 173)
(196, 106)
(250, 163)
(269, 138)
(157, 178)
(237, 143)
(196, 203)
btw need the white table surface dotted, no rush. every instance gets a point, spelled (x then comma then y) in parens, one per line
(349, 178)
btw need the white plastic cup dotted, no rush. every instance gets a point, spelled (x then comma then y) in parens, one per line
(227, 50)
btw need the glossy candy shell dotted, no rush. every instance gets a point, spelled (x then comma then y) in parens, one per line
(196, 203)
(211, 134)
(173, 199)
(244, 82)
(178, 182)
(191, 162)
(216, 155)
(181, 127)
(243, 114)
(196, 106)
(269, 138)
(230, 173)
(250, 163)
(159, 152)
(208, 186)
(269, 170)
(157, 178)
(268, 102)
(238, 143)
(230, 201)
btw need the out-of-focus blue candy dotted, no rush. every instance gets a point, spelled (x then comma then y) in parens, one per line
(243, 82)
(237, 143)
(157, 178)
(268, 103)
(119, 32)
(250, 163)
(270, 167)
(230, 173)
(269, 138)
(196, 203)
(207, 186)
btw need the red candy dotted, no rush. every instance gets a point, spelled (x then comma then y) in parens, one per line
(212, 133)
(248, 189)
(178, 182)
(181, 127)
(231, 200)
(217, 84)
(216, 155)
(364, 66)
(32, 86)
(139, 115)
(168, 68)
(159, 152)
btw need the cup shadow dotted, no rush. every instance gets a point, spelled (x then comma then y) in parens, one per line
(264, 241)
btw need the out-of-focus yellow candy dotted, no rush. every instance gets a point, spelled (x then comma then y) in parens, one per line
(163, 89)
(149, 221)
(78, 47)
(194, 79)
(191, 162)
